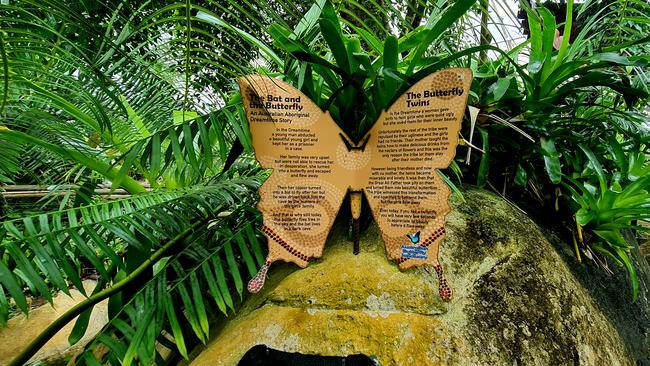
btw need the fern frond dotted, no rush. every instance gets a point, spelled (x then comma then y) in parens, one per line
(176, 306)
(51, 249)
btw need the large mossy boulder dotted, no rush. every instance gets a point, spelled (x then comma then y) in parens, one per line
(516, 302)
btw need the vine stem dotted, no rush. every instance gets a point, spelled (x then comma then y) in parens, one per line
(91, 301)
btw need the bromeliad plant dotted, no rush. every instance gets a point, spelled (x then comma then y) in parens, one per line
(355, 76)
(356, 83)
(544, 130)
(610, 205)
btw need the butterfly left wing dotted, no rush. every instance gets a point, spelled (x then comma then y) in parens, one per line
(412, 139)
(310, 176)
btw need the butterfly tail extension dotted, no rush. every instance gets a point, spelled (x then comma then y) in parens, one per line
(443, 285)
(257, 282)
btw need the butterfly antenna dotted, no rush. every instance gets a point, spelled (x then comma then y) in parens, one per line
(355, 207)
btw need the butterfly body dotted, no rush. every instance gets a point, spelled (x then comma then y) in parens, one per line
(314, 164)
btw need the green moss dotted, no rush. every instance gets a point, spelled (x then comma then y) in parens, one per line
(515, 301)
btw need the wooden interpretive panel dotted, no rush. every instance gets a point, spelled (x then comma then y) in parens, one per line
(313, 169)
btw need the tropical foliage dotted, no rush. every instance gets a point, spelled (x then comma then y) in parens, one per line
(142, 96)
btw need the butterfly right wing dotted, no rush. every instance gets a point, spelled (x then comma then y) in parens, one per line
(412, 139)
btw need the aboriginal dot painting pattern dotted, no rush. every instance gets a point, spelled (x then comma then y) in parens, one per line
(257, 282)
(310, 243)
(352, 160)
(351, 169)
(446, 80)
(436, 234)
(275, 237)
(443, 286)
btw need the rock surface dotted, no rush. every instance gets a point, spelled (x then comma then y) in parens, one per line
(515, 302)
(22, 330)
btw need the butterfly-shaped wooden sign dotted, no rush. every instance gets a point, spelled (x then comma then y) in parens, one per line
(314, 164)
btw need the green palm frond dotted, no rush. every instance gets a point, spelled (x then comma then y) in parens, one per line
(124, 75)
(9, 160)
(187, 290)
(51, 249)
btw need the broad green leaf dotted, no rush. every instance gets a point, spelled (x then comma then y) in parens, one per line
(221, 138)
(618, 155)
(548, 36)
(4, 307)
(190, 311)
(597, 167)
(188, 140)
(484, 166)
(135, 119)
(48, 266)
(69, 269)
(310, 19)
(176, 147)
(130, 157)
(500, 88)
(80, 326)
(637, 166)
(536, 42)
(104, 246)
(37, 285)
(136, 340)
(199, 306)
(206, 145)
(457, 10)
(521, 177)
(88, 252)
(118, 349)
(391, 59)
(551, 160)
(566, 34)
(221, 281)
(155, 157)
(584, 216)
(214, 288)
(369, 38)
(631, 271)
(257, 247)
(9, 282)
(336, 43)
(246, 255)
(233, 268)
